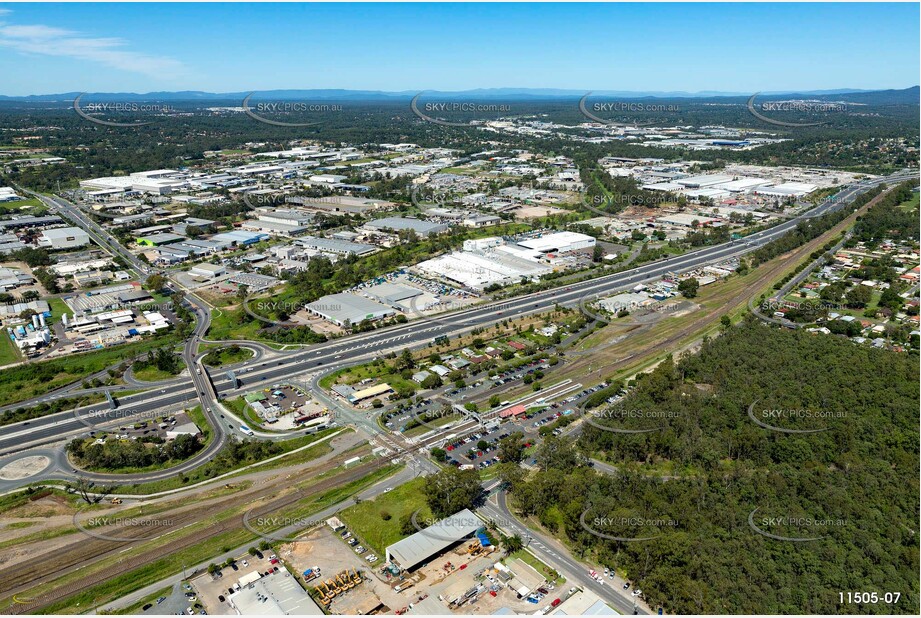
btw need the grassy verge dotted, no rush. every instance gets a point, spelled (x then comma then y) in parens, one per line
(153, 374)
(219, 357)
(135, 608)
(380, 372)
(532, 560)
(9, 353)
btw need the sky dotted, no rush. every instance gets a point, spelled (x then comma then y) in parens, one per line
(743, 48)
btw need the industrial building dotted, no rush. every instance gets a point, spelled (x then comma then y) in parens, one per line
(685, 220)
(208, 271)
(28, 221)
(392, 294)
(64, 238)
(344, 308)
(159, 238)
(477, 271)
(559, 242)
(335, 246)
(397, 224)
(427, 544)
(275, 594)
(786, 189)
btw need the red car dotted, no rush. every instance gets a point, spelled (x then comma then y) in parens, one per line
(555, 603)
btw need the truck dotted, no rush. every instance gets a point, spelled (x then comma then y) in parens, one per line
(311, 574)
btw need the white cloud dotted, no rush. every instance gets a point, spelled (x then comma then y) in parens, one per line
(51, 41)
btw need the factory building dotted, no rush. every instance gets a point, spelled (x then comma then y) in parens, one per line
(431, 542)
(64, 238)
(397, 224)
(347, 309)
(559, 242)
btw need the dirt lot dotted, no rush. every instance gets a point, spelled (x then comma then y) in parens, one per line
(324, 548)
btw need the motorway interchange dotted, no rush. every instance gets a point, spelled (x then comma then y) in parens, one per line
(45, 436)
(20, 439)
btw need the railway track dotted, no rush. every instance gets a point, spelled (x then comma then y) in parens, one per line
(25, 603)
(49, 566)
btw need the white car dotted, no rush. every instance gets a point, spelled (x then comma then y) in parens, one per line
(636, 592)
(245, 563)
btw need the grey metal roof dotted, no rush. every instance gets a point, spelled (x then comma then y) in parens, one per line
(402, 223)
(433, 540)
(341, 307)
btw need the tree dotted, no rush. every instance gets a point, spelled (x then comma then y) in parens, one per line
(511, 449)
(688, 287)
(890, 299)
(482, 445)
(858, 296)
(155, 282)
(406, 525)
(439, 454)
(452, 490)
(406, 360)
(597, 253)
(511, 474)
(431, 381)
(558, 453)
(511, 544)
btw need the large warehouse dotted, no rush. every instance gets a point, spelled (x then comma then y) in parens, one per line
(476, 270)
(559, 242)
(348, 308)
(420, 227)
(64, 238)
(426, 544)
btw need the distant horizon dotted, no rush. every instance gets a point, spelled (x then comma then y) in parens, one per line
(547, 93)
(653, 47)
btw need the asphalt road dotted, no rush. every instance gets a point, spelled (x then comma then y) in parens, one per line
(555, 555)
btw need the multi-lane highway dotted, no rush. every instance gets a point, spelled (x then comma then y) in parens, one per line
(417, 333)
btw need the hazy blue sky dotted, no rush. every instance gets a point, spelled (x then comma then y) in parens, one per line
(50, 48)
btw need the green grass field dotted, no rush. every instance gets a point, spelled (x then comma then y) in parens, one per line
(9, 353)
(353, 375)
(34, 379)
(912, 203)
(376, 523)
(152, 374)
(226, 356)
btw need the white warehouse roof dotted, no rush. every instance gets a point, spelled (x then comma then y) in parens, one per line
(559, 241)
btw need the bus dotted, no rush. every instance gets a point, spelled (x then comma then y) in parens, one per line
(247, 430)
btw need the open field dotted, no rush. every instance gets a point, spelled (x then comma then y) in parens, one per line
(377, 523)
(35, 379)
